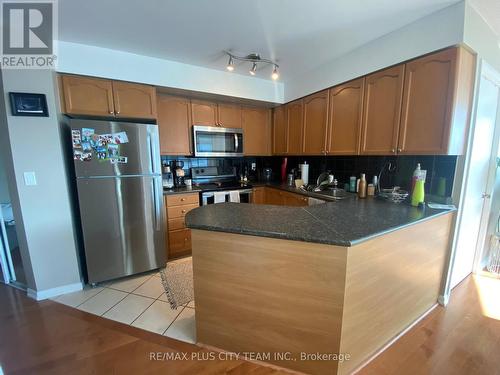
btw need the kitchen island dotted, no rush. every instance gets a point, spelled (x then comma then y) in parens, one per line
(318, 289)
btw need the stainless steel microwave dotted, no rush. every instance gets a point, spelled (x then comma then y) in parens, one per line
(217, 141)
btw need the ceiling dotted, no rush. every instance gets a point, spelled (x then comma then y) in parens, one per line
(490, 11)
(299, 34)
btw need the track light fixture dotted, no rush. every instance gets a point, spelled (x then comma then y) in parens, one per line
(255, 59)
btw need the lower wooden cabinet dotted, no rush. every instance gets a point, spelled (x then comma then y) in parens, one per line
(178, 236)
(268, 195)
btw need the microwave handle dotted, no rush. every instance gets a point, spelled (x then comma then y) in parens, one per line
(235, 142)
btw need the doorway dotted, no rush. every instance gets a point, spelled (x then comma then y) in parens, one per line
(479, 178)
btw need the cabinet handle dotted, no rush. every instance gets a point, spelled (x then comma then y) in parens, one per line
(183, 199)
(111, 113)
(117, 112)
(400, 149)
(183, 211)
(185, 239)
(393, 151)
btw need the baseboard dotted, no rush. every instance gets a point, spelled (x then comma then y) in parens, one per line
(53, 292)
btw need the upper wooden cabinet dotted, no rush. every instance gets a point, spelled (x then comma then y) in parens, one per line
(315, 109)
(87, 96)
(346, 110)
(382, 111)
(203, 113)
(294, 114)
(256, 131)
(229, 115)
(280, 131)
(174, 125)
(134, 101)
(432, 120)
(102, 97)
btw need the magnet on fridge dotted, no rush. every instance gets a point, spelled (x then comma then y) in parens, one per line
(87, 134)
(120, 138)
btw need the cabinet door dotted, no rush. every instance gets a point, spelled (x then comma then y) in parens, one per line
(346, 110)
(280, 131)
(382, 111)
(87, 96)
(259, 195)
(295, 127)
(257, 131)
(274, 196)
(133, 100)
(229, 115)
(296, 200)
(203, 113)
(315, 123)
(427, 104)
(173, 125)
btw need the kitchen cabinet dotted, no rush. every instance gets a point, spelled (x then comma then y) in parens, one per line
(178, 236)
(382, 110)
(133, 100)
(90, 96)
(87, 96)
(346, 110)
(268, 195)
(315, 108)
(295, 120)
(173, 125)
(256, 131)
(280, 131)
(436, 103)
(229, 115)
(203, 113)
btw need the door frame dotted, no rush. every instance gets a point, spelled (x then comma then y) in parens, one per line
(9, 273)
(461, 180)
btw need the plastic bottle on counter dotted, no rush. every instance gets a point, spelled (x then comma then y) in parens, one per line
(352, 184)
(304, 172)
(416, 175)
(418, 194)
(362, 186)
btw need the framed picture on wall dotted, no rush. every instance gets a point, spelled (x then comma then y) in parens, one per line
(26, 104)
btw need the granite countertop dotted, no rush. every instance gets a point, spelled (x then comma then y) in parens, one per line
(181, 190)
(344, 223)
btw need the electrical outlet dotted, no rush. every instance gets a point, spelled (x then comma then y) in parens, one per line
(29, 178)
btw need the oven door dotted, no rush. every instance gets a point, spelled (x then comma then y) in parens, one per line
(213, 141)
(207, 197)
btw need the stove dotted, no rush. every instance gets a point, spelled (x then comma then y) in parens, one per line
(217, 187)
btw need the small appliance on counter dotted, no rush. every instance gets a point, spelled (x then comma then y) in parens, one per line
(179, 174)
(168, 177)
(267, 174)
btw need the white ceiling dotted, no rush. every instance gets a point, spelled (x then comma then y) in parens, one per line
(299, 34)
(490, 11)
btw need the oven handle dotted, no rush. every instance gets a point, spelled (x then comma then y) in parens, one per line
(208, 194)
(235, 142)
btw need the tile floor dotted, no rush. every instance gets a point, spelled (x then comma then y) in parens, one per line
(139, 301)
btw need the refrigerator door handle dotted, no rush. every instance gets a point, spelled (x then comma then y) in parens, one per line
(157, 192)
(154, 149)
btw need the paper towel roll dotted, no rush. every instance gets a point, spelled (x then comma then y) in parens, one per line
(304, 173)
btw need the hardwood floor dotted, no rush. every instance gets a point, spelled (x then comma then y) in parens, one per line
(463, 338)
(50, 338)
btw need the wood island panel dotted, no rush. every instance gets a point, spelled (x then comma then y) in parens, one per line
(260, 294)
(391, 281)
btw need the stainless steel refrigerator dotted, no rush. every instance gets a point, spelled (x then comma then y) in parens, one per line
(120, 194)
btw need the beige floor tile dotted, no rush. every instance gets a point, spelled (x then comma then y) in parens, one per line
(102, 301)
(157, 318)
(183, 328)
(129, 308)
(152, 288)
(128, 284)
(191, 304)
(77, 298)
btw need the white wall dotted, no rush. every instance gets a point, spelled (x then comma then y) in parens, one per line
(481, 38)
(102, 62)
(42, 212)
(438, 30)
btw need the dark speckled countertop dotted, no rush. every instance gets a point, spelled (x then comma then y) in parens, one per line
(344, 223)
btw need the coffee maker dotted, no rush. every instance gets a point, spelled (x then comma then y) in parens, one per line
(179, 174)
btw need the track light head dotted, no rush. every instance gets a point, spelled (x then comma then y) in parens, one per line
(230, 64)
(253, 71)
(275, 75)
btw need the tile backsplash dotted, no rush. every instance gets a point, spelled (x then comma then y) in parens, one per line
(437, 167)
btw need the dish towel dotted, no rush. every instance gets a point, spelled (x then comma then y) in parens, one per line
(234, 196)
(219, 197)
